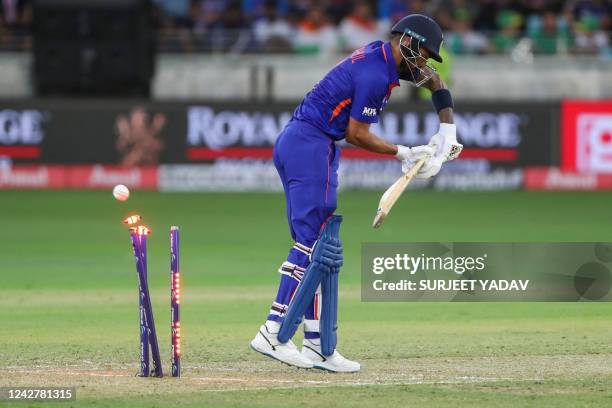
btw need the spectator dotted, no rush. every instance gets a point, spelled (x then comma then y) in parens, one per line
(176, 22)
(208, 23)
(471, 26)
(589, 36)
(175, 13)
(298, 9)
(417, 7)
(392, 10)
(237, 36)
(315, 34)
(599, 9)
(487, 19)
(359, 28)
(272, 33)
(208, 14)
(550, 39)
(15, 21)
(337, 10)
(395, 10)
(463, 39)
(448, 10)
(222, 26)
(593, 22)
(256, 9)
(509, 23)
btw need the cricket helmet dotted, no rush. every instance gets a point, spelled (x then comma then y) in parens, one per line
(424, 30)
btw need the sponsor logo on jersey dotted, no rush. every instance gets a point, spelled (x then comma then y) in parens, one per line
(369, 111)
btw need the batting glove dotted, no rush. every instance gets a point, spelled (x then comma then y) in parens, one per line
(445, 147)
(410, 155)
(430, 168)
(445, 142)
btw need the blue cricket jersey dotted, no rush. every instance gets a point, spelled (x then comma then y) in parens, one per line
(358, 87)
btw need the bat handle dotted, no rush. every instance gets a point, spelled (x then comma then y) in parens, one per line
(415, 169)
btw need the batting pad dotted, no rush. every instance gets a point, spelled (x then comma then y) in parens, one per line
(326, 260)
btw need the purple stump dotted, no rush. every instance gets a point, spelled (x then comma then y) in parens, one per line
(175, 301)
(140, 252)
(152, 334)
(144, 333)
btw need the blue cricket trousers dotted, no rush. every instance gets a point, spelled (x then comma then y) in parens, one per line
(307, 162)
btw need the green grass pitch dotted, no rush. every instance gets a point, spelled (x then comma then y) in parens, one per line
(69, 317)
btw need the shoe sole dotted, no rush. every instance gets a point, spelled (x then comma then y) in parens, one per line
(280, 361)
(322, 368)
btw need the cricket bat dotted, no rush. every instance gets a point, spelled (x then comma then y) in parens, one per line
(390, 196)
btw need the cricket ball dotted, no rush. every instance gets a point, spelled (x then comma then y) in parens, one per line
(121, 192)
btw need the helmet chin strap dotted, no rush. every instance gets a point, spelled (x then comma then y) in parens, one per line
(409, 70)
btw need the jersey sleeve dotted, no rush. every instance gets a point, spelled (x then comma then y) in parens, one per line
(368, 95)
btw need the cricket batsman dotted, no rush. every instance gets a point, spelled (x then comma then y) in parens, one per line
(343, 105)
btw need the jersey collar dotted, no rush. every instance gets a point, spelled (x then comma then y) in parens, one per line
(388, 55)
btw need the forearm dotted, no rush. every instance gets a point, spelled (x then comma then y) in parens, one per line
(434, 84)
(369, 141)
(446, 115)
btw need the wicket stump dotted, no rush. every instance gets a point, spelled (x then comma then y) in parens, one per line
(144, 334)
(175, 301)
(139, 242)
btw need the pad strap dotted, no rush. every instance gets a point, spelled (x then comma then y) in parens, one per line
(302, 248)
(292, 270)
(278, 309)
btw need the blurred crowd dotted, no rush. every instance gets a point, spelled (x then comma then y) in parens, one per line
(326, 26)
(15, 21)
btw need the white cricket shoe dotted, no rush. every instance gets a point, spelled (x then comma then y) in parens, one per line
(336, 363)
(266, 343)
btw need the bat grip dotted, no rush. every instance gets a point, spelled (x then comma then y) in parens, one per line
(415, 169)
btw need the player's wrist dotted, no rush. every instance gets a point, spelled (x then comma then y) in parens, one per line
(402, 152)
(448, 131)
(441, 99)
